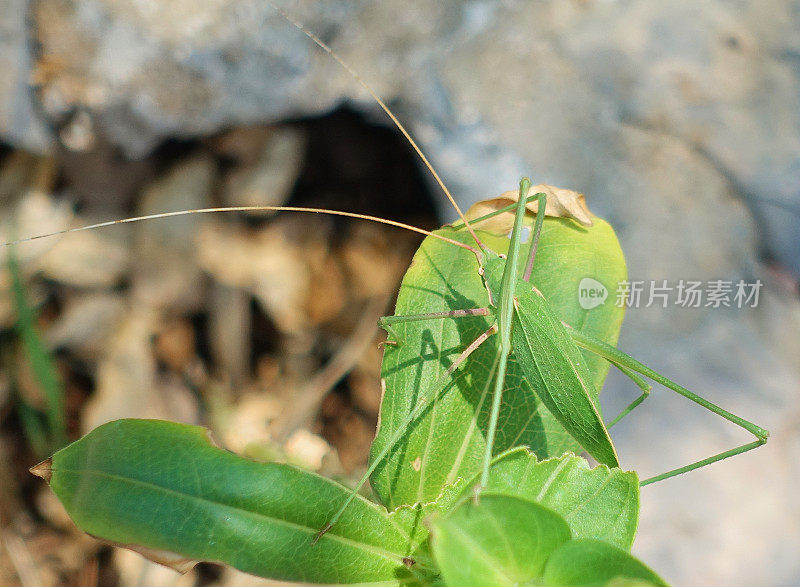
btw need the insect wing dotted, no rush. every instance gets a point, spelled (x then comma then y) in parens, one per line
(556, 369)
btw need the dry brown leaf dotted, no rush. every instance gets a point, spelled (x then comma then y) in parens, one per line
(268, 181)
(373, 264)
(156, 569)
(268, 264)
(35, 292)
(248, 421)
(48, 505)
(36, 213)
(268, 370)
(365, 380)
(87, 259)
(19, 172)
(43, 556)
(229, 330)
(243, 144)
(166, 273)
(127, 382)
(352, 436)
(175, 345)
(86, 323)
(306, 449)
(5, 390)
(10, 492)
(561, 203)
(26, 380)
(126, 374)
(328, 291)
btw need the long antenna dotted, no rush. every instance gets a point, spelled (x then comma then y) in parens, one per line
(388, 112)
(247, 209)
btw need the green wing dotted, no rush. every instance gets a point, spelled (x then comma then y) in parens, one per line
(557, 371)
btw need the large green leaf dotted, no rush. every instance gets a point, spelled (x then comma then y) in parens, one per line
(598, 503)
(505, 540)
(448, 441)
(502, 541)
(591, 563)
(162, 488)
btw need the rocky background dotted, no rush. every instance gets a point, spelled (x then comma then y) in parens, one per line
(680, 121)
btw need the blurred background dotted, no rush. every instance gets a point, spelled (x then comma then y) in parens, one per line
(679, 121)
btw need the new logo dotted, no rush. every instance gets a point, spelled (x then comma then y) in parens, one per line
(591, 293)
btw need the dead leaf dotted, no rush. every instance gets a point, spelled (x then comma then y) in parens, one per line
(248, 422)
(229, 331)
(327, 291)
(36, 213)
(268, 181)
(43, 470)
(374, 264)
(87, 259)
(26, 381)
(49, 506)
(306, 449)
(141, 572)
(5, 390)
(128, 385)
(561, 203)
(35, 293)
(166, 273)
(175, 345)
(365, 381)
(270, 264)
(86, 323)
(19, 172)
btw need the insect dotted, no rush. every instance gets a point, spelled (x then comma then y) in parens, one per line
(522, 323)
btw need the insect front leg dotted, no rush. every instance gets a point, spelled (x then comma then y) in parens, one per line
(386, 322)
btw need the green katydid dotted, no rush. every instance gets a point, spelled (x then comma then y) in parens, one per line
(547, 350)
(524, 324)
(549, 356)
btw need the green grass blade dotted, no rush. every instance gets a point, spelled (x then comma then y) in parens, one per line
(40, 358)
(34, 427)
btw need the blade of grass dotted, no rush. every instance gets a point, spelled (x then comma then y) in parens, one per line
(40, 359)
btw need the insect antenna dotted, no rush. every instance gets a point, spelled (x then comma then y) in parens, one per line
(247, 209)
(322, 45)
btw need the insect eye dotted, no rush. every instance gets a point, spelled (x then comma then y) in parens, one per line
(502, 256)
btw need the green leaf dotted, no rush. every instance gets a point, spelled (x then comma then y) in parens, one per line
(162, 488)
(507, 540)
(502, 541)
(599, 503)
(448, 441)
(593, 563)
(413, 517)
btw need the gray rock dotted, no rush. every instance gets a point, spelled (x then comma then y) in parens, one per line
(479, 80)
(20, 124)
